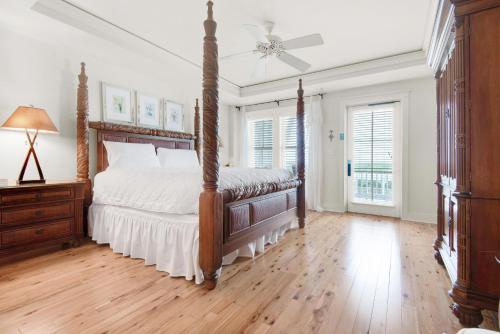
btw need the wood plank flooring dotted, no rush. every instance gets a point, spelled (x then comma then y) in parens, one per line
(344, 273)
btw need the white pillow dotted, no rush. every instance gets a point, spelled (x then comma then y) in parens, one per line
(131, 155)
(170, 158)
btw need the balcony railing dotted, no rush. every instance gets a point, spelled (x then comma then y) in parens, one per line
(372, 187)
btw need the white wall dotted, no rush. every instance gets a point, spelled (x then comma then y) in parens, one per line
(419, 203)
(39, 64)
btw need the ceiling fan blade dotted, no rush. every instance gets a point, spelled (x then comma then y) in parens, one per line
(303, 42)
(237, 55)
(293, 61)
(260, 70)
(257, 32)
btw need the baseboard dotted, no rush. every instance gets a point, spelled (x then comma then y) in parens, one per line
(333, 209)
(427, 218)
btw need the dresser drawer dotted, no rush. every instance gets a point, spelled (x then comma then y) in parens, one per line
(42, 232)
(39, 212)
(38, 195)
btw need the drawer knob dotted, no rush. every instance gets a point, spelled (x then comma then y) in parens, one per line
(39, 231)
(497, 259)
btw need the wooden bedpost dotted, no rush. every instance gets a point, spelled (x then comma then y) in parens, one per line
(82, 137)
(301, 193)
(82, 141)
(211, 202)
(197, 138)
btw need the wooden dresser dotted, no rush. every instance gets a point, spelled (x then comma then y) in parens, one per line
(39, 217)
(468, 93)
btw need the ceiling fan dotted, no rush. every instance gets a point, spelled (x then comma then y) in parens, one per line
(269, 45)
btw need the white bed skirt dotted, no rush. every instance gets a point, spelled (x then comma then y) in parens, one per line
(169, 241)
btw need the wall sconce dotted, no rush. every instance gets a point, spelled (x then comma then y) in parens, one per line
(331, 135)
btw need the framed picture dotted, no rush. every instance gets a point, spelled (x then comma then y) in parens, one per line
(117, 104)
(148, 110)
(173, 116)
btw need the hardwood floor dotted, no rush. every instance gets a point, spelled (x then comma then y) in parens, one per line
(342, 274)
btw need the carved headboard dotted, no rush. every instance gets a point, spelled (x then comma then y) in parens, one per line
(120, 133)
(133, 134)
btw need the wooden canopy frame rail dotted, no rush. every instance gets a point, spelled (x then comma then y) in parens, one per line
(229, 218)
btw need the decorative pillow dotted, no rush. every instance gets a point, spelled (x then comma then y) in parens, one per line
(131, 155)
(170, 158)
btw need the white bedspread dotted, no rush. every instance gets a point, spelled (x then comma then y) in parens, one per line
(171, 191)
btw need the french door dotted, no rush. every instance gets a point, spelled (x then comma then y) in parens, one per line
(374, 159)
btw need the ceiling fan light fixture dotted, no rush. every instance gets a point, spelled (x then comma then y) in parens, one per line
(262, 47)
(272, 45)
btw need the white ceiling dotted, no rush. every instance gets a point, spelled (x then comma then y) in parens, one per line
(353, 30)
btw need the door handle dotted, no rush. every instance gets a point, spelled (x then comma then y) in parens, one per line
(348, 167)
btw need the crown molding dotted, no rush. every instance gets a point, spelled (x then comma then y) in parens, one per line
(442, 36)
(414, 58)
(80, 18)
(429, 25)
(67, 12)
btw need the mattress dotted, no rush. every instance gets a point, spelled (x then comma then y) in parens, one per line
(172, 191)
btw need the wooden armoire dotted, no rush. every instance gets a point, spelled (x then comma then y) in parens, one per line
(467, 64)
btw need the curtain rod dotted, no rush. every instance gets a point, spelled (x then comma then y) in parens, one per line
(373, 104)
(382, 103)
(278, 101)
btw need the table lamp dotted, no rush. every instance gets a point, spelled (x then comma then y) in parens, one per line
(30, 119)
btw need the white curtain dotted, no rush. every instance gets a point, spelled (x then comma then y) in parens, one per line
(314, 164)
(238, 135)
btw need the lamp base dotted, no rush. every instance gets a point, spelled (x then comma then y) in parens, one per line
(21, 180)
(30, 181)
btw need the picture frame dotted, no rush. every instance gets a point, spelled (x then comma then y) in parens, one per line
(149, 110)
(117, 104)
(173, 116)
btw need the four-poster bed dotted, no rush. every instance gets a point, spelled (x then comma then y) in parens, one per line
(228, 217)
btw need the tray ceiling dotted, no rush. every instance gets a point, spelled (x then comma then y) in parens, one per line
(353, 31)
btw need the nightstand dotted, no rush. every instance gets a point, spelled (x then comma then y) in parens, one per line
(36, 218)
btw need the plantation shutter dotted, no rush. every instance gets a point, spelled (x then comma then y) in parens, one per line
(372, 154)
(288, 142)
(260, 138)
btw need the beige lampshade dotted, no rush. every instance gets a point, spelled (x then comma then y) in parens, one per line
(30, 118)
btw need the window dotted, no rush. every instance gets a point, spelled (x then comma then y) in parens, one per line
(260, 139)
(372, 153)
(272, 138)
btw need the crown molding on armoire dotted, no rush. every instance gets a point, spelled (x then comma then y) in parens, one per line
(442, 37)
(443, 31)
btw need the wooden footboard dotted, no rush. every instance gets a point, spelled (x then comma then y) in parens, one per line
(248, 219)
